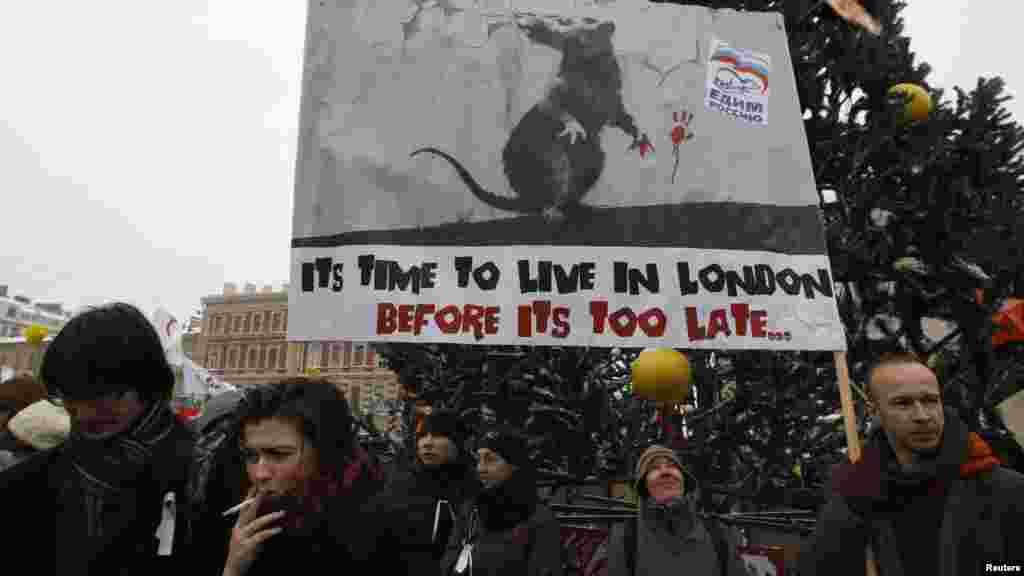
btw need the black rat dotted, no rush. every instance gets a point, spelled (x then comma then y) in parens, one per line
(553, 156)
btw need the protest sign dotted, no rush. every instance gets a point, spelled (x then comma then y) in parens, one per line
(605, 174)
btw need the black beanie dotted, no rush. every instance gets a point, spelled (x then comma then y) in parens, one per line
(509, 443)
(443, 423)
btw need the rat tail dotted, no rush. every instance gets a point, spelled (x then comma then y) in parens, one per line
(489, 198)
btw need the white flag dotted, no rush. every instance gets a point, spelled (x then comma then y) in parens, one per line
(170, 335)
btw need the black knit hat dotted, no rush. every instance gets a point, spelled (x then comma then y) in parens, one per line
(443, 423)
(509, 443)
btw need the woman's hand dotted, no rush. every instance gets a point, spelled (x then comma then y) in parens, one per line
(248, 536)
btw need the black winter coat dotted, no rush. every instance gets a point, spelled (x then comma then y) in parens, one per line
(414, 523)
(975, 523)
(39, 531)
(511, 533)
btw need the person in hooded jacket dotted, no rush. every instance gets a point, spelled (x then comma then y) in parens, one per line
(669, 537)
(509, 531)
(928, 496)
(414, 521)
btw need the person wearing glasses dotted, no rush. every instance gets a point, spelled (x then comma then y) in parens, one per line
(109, 499)
(509, 530)
(307, 478)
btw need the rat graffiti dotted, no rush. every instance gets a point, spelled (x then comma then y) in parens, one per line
(553, 156)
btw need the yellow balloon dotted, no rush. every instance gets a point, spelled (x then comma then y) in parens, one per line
(919, 106)
(35, 334)
(662, 375)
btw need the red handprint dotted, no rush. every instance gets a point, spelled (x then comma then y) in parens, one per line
(680, 133)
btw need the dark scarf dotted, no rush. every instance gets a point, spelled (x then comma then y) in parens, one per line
(449, 481)
(675, 517)
(110, 466)
(510, 503)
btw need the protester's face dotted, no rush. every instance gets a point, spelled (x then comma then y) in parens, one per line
(278, 458)
(106, 416)
(434, 450)
(492, 468)
(664, 480)
(909, 408)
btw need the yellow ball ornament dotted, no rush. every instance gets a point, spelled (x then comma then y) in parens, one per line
(919, 106)
(663, 375)
(35, 334)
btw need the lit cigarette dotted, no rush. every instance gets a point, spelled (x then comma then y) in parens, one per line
(238, 507)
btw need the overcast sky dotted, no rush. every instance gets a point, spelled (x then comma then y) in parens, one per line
(147, 149)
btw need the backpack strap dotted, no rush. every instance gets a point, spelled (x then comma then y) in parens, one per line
(630, 540)
(721, 542)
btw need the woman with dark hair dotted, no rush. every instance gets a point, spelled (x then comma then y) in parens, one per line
(509, 531)
(306, 477)
(413, 523)
(111, 498)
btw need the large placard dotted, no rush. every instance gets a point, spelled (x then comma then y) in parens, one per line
(594, 146)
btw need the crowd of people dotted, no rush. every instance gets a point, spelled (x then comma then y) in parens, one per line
(107, 480)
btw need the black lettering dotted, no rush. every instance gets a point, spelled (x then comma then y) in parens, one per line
(765, 280)
(527, 284)
(398, 278)
(339, 278)
(567, 282)
(621, 276)
(823, 285)
(789, 281)
(487, 276)
(380, 274)
(307, 276)
(544, 275)
(587, 271)
(686, 285)
(649, 281)
(732, 280)
(712, 278)
(365, 269)
(428, 274)
(463, 265)
(323, 271)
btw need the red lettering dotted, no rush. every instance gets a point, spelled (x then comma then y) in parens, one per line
(471, 319)
(491, 320)
(693, 327)
(386, 318)
(405, 317)
(758, 323)
(525, 321)
(659, 326)
(421, 311)
(740, 312)
(618, 327)
(599, 312)
(561, 322)
(718, 323)
(542, 311)
(448, 326)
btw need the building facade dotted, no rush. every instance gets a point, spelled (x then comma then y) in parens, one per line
(19, 312)
(242, 337)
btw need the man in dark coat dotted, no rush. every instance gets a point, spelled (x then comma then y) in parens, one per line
(928, 495)
(415, 520)
(509, 531)
(111, 499)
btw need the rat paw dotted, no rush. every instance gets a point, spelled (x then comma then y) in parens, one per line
(573, 129)
(553, 215)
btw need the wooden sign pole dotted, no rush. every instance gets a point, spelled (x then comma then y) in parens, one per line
(852, 439)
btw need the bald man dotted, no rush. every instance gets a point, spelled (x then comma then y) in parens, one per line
(928, 495)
